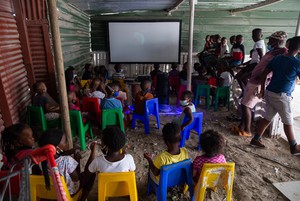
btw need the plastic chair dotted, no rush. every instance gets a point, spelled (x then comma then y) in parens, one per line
(202, 90)
(39, 119)
(117, 184)
(196, 125)
(182, 88)
(83, 83)
(172, 175)
(77, 126)
(222, 92)
(92, 106)
(214, 176)
(151, 108)
(38, 189)
(112, 117)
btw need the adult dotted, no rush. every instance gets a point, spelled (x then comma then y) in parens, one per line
(250, 98)
(286, 69)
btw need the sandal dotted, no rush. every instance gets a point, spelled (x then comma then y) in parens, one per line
(235, 130)
(245, 134)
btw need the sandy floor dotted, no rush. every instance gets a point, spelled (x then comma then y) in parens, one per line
(256, 169)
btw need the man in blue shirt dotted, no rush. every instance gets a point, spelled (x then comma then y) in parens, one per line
(278, 95)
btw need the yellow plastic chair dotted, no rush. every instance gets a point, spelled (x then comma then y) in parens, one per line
(117, 184)
(38, 189)
(214, 176)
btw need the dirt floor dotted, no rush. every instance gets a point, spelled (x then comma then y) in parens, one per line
(255, 170)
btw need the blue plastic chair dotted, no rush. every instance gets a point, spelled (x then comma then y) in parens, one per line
(172, 175)
(196, 125)
(151, 108)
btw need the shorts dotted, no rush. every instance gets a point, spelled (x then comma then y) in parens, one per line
(249, 98)
(279, 103)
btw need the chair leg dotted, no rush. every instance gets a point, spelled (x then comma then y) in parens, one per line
(91, 131)
(133, 121)
(82, 140)
(147, 126)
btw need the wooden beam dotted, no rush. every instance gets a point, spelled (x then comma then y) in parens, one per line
(190, 53)
(59, 66)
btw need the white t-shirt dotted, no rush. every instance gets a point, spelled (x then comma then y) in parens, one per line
(224, 49)
(255, 56)
(227, 77)
(100, 164)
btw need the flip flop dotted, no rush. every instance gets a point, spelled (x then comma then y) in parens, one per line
(244, 134)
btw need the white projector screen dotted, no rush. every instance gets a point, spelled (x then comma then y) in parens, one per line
(144, 42)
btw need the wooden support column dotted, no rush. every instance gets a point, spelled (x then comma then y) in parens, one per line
(190, 53)
(298, 26)
(59, 66)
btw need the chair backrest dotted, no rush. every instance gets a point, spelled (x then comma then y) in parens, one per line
(223, 92)
(203, 90)
(112, 117)
(213, 176)
(38, 189)
(197, 122)
(182, 170)
(116, 184)
(75, 120)
(151, 106)
(90, 105)
(35, 117)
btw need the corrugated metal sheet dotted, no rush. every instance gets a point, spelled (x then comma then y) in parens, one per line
(206, 23)
(74, 27)
(14, 89)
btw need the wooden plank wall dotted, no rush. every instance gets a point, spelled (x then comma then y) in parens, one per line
(74, 27)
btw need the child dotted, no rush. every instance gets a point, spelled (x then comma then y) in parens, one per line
(67, 166)
(110, 102)
(142, 96)
(212, 144)
(155, 71)
(226, 76)
(183, 74)
(41, 99)
(224, 49)
(207, 43)
(119, 74)
(112, 159)
(238, 52)
(88, 72)
(173, 154)
(93, 91)
(188, 109)
(285, 69)
(17, 142)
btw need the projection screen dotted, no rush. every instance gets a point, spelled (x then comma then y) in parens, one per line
(144, 42)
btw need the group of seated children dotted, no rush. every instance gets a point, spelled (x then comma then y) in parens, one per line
(18, 142)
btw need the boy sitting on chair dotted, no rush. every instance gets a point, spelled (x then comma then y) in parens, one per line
(142, 96)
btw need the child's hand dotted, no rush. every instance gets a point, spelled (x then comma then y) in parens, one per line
(93, 146)
(148, 156)
(77, 156)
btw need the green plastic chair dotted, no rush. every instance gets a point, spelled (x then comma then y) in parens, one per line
(35, 118)
(112, 117)
(77, 126)
(222, 92)
(202, 90)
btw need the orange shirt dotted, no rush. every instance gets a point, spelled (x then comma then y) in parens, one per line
(140, 99)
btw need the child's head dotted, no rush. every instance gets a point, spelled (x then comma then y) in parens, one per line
(95, 84)
(239, 39)
(118, 68)
(186, 98)
(294, 45)
(224, 41)
(146, 85)
(16, 137)
(171, 133)
(40, 87)
(112, 89)
(207, 38)
(156, 66)
(256, 34)
(232, 39)
(287, 43)
(70, 74)
(174, 66)
(71, 97)
(113, 138)
(277, 39)
(218, 38)
(55, 137)
(212, 143)
(88, 67)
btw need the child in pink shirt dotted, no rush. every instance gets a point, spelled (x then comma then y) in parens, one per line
(212, 144)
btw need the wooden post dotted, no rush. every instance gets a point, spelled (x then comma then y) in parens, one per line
(190, 55)
(59, 66)
(298, 26)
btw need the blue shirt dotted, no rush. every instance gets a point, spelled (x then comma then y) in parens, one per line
(110, 103)
(285, 71)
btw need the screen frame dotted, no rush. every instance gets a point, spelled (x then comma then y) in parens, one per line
(146, 21)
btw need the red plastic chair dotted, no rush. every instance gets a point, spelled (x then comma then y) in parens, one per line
(92, 106)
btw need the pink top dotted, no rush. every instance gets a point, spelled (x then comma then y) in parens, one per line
(200, 160)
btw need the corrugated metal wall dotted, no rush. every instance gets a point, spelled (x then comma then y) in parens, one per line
(75, 35)
(14, 88)
(206, 23)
